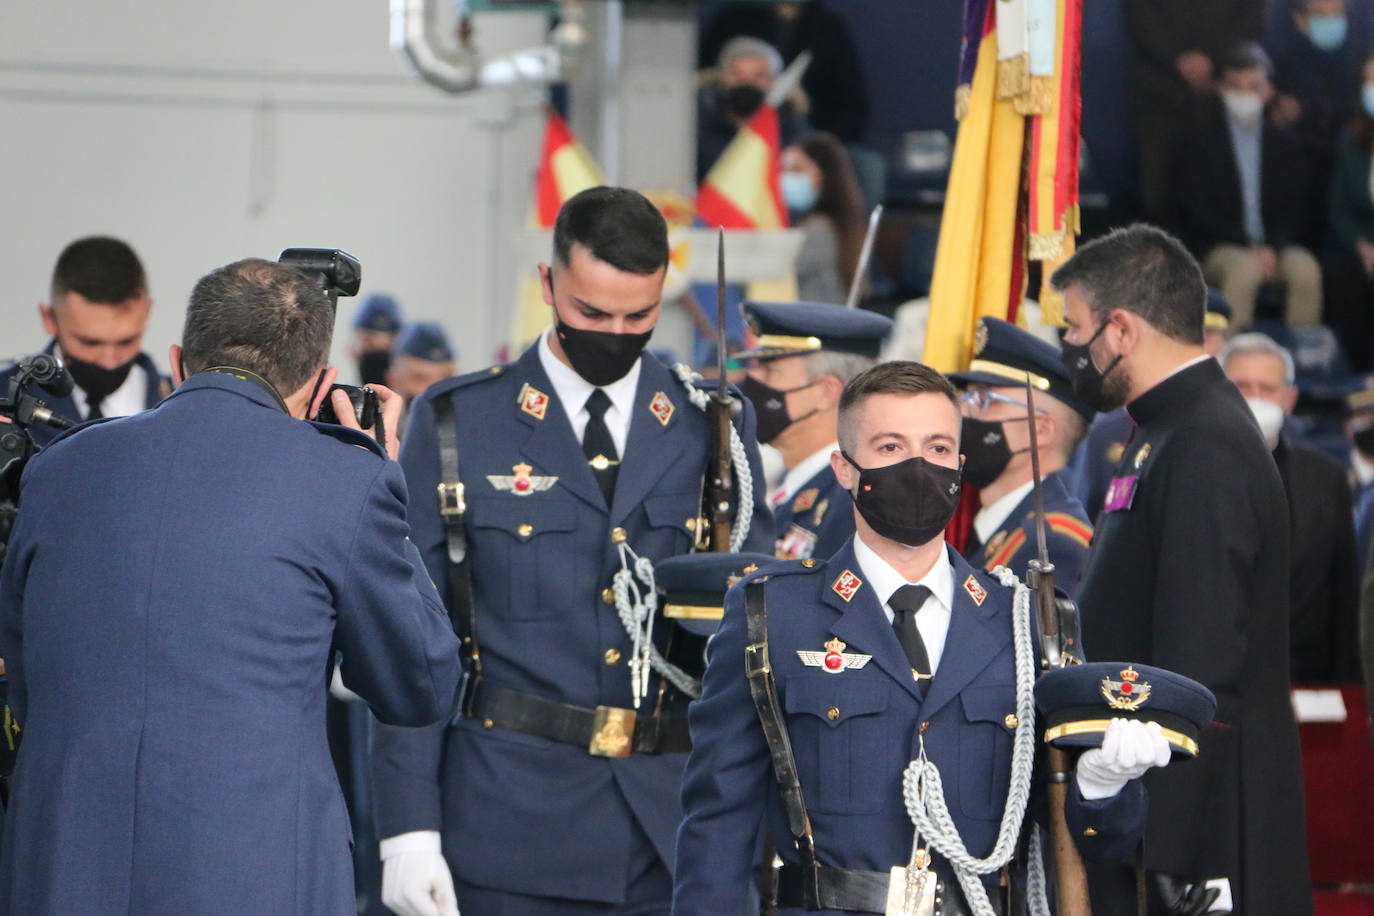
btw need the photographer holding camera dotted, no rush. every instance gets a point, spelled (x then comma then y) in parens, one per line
(168, 626)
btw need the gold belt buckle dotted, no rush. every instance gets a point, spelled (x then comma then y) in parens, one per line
(612, 732)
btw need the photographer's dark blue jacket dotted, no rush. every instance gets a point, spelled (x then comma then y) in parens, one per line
(174, 587)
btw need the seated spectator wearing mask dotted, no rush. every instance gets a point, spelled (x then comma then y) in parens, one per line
(1242, 198)
(1349, 262)
(745, 72)
(1323, 614)
(824, 201)
(96, 314)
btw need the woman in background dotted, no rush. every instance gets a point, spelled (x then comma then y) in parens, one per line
(823, 199)
(1349, 270)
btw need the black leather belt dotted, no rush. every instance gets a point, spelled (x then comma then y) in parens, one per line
(606, 731)
(853, 891)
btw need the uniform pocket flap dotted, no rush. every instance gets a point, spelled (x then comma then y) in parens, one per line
(990, 704)
(523, 516)
(834, 700)
(673, 510)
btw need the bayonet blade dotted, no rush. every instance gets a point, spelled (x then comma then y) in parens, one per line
(721, 394)
(865, 254)
(1041, 543)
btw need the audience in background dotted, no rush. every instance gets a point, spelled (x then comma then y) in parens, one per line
(1177, 43)
(1242, 199)
(1323, 642)
(375, 328)
(824, 201)
(729, 96)
(1349, 267)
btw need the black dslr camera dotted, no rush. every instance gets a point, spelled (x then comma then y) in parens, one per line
(23, 409)
(338, 274)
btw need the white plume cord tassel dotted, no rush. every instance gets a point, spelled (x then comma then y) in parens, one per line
(744, 474)
(636, 601)
(924, 794)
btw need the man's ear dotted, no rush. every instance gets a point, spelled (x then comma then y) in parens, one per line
(844, 471)
(546, 283)
(831, 389)
(1290, 399)
(1046, 429)
(45, 313)
(1129, 327)
(174, 362)
(326, 382)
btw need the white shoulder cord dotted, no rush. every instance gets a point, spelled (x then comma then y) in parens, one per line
(925, 797)
(744, 474)
(637, 606)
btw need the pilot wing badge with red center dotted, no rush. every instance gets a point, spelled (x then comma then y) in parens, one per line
(834, 659)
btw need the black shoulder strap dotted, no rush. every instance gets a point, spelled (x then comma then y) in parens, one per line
(452, 508)
(763, 689)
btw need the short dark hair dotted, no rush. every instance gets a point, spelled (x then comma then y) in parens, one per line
(896, 377)
(262, 316)
(99, 268)
(617, 225)
(1247, 55)
(1144, 270)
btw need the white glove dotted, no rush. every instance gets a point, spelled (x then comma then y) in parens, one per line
(415, 877)
(1129, 748)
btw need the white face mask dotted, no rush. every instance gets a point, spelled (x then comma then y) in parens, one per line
(1269, 416)
(1243, 107)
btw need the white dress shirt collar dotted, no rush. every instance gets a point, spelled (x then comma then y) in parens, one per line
(933, 619)
(809, 467)
(992, 516)
(573, 390)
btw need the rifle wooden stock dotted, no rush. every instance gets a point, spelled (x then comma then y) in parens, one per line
(1071, 884)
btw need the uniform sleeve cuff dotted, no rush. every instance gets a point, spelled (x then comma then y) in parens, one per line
(415, 841)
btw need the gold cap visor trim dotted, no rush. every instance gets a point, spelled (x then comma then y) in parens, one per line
(693, 612)
(1215, 321)
(1097, 726)
(1009, 372)
(787, 342)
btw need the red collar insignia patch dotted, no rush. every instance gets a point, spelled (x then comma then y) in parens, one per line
(533, 401)
(975, 591)
(846, 585)
(805, 500)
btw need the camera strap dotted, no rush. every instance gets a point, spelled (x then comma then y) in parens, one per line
(247, 376)
(452, 509)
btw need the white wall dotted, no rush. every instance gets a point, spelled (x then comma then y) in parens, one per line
(202, 132)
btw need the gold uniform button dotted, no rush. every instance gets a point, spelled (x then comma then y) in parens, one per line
(618, 535)
(487, 723)
(608, 595)
(495, 370)
(1091, 831)
(691, 524)
(612, 656)
(525, 530)
(808, 562)
(832, 713)
(1011, 721)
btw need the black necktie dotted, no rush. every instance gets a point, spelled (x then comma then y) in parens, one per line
(93, 407)
(906, 602)
(598, 445)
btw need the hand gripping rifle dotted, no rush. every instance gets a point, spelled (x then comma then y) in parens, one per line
(720, 487)
(1060, 647)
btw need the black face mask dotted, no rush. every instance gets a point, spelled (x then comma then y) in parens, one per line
(372, 366)
(1364, 440)
(986, 453)
(600, 357)
(770, 407)
(909, 502)
(95, 380)
(1087, 378)
(743, 101)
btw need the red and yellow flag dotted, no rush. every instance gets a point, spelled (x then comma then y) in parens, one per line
(743, 190)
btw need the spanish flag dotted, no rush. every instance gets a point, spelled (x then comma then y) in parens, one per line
(565, 170)
(743, 190)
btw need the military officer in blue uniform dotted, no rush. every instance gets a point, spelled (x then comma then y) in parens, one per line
(555, 791)
(997, 456)
(96, 314)
(376, 327)
(805, 354)
(175, 588)
(894, 650)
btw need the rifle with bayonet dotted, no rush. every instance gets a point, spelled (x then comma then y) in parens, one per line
(1060, 647)
(720, 483)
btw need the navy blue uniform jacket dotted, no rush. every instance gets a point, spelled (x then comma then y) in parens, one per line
(158, 385)
(816, 521)
(173, 588)
(517, 812)
(854, 733)
(1068, 534)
